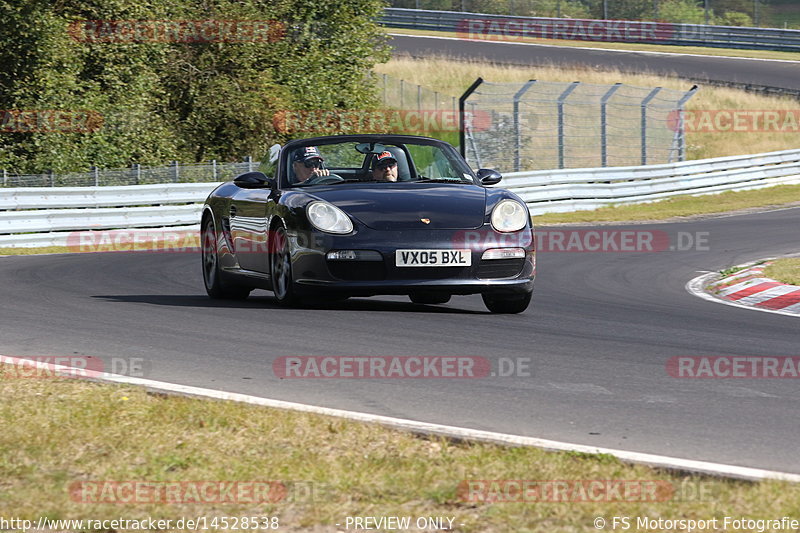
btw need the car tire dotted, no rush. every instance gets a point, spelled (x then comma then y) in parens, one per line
(216, 287)
(506, 304)
(429, 298)
(281, 269)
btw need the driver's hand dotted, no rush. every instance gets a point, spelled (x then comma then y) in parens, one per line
(320, 172)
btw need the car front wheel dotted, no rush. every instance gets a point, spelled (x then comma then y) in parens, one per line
(281, 269)
(506, 303)
(216, 287)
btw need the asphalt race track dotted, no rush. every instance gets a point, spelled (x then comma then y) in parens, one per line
(766, 73)
(599, 333)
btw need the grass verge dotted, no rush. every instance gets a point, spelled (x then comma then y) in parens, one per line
(633, 47)
(452, 77)
(681, 206)
(785, 270)
(331, 469)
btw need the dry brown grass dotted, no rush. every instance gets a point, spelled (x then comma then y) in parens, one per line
(453, 77)
(59, 431)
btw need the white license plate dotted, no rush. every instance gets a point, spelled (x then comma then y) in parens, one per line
(433, 258)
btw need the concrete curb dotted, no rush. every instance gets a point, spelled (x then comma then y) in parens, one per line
(749, 288)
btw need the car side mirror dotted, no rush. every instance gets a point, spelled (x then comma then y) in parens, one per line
(254, 180)
(488, 176)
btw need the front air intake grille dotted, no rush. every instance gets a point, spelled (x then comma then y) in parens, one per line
(500, 268)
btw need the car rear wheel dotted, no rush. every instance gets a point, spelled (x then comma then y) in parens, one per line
(507, 304)
(430, 298)
(216, 287)
(281, 269)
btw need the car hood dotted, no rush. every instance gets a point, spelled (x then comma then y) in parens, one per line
(383, 206)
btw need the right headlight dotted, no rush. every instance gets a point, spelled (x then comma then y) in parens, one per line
(508, 216)
(328, 218)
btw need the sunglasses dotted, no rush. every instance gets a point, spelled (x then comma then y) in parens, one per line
(314, 163)
(386, 164)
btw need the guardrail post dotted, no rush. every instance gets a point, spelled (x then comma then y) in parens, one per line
(461, 123)
(644, 105)
(176, 175)
(604, 124)
(561, 100)
(517, 132)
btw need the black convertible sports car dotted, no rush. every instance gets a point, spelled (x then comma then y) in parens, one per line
(362, 215)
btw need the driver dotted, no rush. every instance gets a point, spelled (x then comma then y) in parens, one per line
(307, 163)
(384, 167)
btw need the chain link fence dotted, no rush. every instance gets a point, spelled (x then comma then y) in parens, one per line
(135, 175)
(545, 125)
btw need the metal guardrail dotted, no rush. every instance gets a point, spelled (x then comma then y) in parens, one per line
(561, 191)
(520, 29)
(545, 191)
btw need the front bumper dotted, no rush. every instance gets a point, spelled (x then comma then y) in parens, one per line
(314, 273)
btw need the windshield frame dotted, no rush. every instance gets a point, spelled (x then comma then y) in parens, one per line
(401, 141)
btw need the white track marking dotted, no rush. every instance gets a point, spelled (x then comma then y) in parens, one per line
(659, 461)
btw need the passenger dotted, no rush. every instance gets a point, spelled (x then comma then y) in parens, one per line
(384, 167)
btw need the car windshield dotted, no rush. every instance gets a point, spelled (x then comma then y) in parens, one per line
(372, 161)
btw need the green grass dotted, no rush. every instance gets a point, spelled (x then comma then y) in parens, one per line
(730, 271)
(59, 431)
(784, 270)
(681, 206)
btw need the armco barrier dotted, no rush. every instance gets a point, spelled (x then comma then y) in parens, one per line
(517, 29)
(545, 191)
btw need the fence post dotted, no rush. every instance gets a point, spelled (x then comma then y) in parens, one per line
(96, 173)
(384, 89)
(644, 104)
(561, 100)
(5, 177)
(461, 122)
(52, 177)
(136, 170)
(402, 91)
(249, 161)
(680, 125)
(176, 175)
(419, 97)
(517, 133)
(604, 124)
(213, 170)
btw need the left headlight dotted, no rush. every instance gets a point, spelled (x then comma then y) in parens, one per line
(329, 218)
(508, 216)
